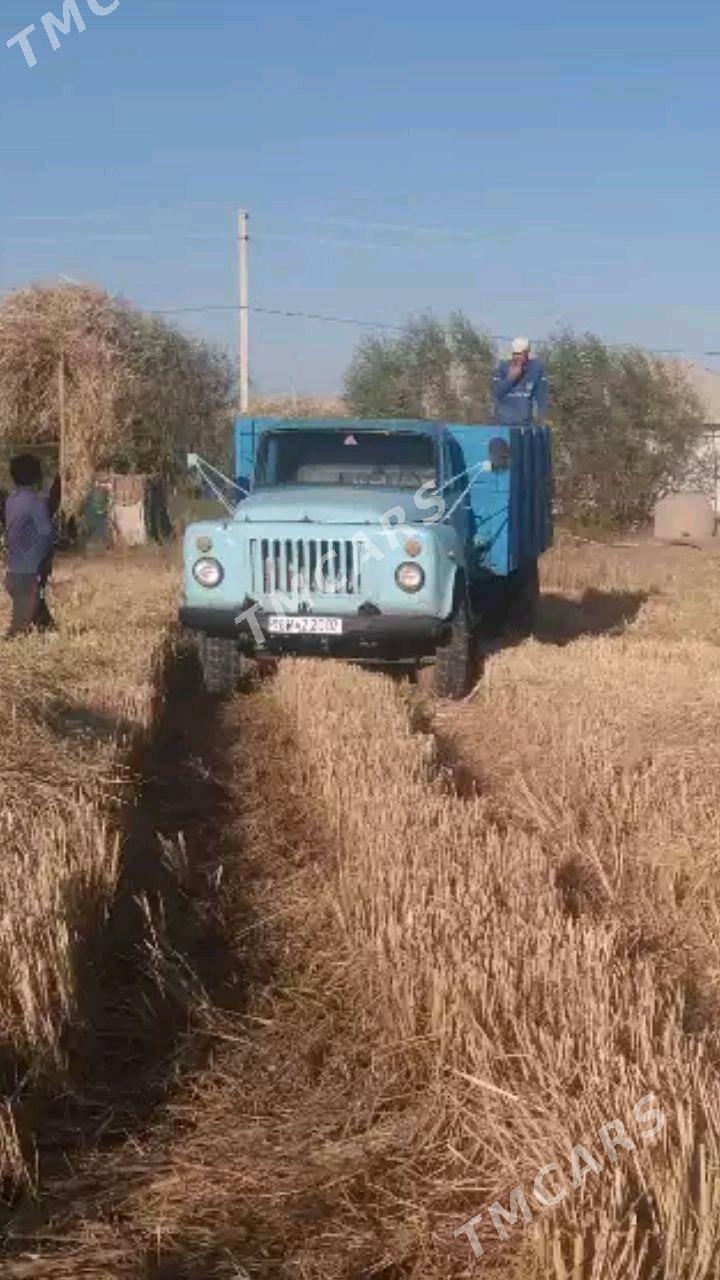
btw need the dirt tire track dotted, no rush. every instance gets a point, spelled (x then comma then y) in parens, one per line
(165, 956)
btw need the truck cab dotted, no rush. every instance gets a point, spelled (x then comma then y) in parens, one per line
(387, 541)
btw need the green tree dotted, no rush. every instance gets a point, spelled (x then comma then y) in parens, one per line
(625, 423)
(626, 426)
(431, 370)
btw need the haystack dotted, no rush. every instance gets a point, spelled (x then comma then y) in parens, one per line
(112, 387)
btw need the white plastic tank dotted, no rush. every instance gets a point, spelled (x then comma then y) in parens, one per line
(684, 517)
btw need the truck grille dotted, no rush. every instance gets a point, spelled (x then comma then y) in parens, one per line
(318, 566)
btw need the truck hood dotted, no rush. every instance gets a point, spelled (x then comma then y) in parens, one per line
(317, 504)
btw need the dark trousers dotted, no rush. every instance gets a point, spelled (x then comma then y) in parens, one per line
(29, 606)
(45, 620)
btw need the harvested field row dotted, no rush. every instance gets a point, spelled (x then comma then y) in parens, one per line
(75, 706)
(453, 989)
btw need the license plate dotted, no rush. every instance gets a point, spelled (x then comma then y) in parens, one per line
(279, 624)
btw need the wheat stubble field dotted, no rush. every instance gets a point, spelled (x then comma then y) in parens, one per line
(423, 950)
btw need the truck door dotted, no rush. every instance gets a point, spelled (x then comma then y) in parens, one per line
(491, 474)
(455, 493)
(244, 452)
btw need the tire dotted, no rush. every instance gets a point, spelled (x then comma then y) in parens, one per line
(222, 664)
(491, 603)
(523, 599)
(454, 667)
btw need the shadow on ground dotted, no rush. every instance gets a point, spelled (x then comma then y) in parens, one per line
(145, 972)
(87, 724)
(220, 1264)
(561, 619)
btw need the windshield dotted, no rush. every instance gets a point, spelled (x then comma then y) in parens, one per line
(392, 459)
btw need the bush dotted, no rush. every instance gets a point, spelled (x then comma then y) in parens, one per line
(626, 424)
(626, 427)
(432, 370)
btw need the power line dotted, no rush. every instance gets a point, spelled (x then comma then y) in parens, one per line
(279, 311)
(458, 235)
(352, 224)
(265, 237)
(311, 315)
(299, 238)
(449, 233)
(362, 323)
(357, 322)
(390, 328)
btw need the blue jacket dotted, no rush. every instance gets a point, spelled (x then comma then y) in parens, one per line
(519, 402)
(28, 531)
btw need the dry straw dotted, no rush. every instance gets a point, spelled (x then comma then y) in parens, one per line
(465, 984)
(73, 705)
(137, 392)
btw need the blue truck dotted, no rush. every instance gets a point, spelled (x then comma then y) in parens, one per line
(380, 541)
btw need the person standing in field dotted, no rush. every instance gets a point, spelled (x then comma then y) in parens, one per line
(520, 388)
(28, 546)
(45, 619)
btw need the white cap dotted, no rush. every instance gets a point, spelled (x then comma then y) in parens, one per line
(520, 346)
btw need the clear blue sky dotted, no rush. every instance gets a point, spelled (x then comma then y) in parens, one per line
(534, 165)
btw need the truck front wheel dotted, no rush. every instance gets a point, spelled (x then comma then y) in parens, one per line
(221, 662)
(453, 671)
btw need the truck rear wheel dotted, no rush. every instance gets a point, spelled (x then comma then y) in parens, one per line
(222, 664)
(454, 667)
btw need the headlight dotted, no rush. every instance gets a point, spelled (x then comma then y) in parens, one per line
(208, 572)
(409, 577)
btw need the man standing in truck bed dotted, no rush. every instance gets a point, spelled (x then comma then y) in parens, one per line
(520, 388)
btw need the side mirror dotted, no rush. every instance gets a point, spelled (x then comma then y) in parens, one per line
(241, 489)
(499, 451)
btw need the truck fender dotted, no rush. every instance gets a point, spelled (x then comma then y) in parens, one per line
(455, 590)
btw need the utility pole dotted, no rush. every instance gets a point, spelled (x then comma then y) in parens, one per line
(244, 348)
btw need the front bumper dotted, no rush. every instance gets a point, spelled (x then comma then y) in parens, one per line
(384, 635)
